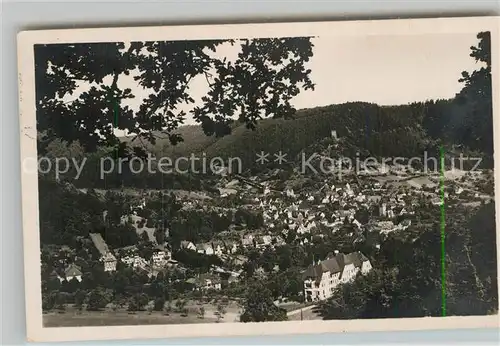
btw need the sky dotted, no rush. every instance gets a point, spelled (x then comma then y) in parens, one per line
(387, 70)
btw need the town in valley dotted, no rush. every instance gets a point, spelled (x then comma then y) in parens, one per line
(345, 234)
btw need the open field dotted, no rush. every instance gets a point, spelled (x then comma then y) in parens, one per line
(119, 318)
(74, 318)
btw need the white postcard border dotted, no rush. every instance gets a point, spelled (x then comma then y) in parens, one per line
(26, 76)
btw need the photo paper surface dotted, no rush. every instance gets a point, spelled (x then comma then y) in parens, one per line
(281, 178)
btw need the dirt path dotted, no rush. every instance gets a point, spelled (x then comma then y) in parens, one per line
(295, 312)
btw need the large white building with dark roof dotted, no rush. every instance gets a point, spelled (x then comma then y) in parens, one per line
(321, 279)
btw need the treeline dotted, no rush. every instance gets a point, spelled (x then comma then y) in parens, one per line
(367, 129)
(68, 215)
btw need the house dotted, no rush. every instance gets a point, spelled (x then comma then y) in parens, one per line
(263, 241)
(302, 229)
(128, 260)
(437, 201)
(205, 282)
(390, 213)
(240, 260)
(73, 272)
(55, 275)
(205, 249)
(247, 240)
(160, 257)
(109, 262)
(233, 278)
(218, 248)
(405, 224)
(107, 258)
(140, 263)
(231, 246)
(136, 262)
(383, 210)
(321, 279)
(357, 223)
(224, 192)
(187, 245)
(385, 227)
(311, 225)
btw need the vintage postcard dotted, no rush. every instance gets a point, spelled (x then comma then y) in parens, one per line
(282, 178)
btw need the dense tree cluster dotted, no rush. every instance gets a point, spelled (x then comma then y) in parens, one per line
(269, 70)
(408, 278)
(198, 226)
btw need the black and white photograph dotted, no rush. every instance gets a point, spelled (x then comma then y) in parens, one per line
(250, 175)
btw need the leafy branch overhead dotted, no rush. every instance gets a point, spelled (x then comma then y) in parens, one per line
(476, 95)
(258, 83)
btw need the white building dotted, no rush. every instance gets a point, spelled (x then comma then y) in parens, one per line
(218, 248)
(321, 279)
(205, 249)
(107, 258)
(160, 257)
(231, 246)
(140, 263)
(383, 210)
(128, 260)
(109, 261)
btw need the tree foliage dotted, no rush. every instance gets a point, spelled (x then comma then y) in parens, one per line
(260, 82)
(477, 97)
(97, 299)
(259, 305)
(407, 280)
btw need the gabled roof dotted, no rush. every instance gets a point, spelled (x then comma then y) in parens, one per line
(72, 270)
(99, 243)
(108, 257)
(204, 246)
(186, 243)
(55, 273)
(334, 264)
(216, 243)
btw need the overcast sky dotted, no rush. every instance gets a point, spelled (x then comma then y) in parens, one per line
(387, 70)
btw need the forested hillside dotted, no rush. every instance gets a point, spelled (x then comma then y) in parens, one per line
(371, 130)
(408, 280)
(365, 129)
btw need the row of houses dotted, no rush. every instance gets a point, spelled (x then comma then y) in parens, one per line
(221, 248)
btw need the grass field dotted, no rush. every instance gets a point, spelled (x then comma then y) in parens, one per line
(119, 318)
(74, 318)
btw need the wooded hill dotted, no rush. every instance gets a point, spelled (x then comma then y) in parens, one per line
(369, 129)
